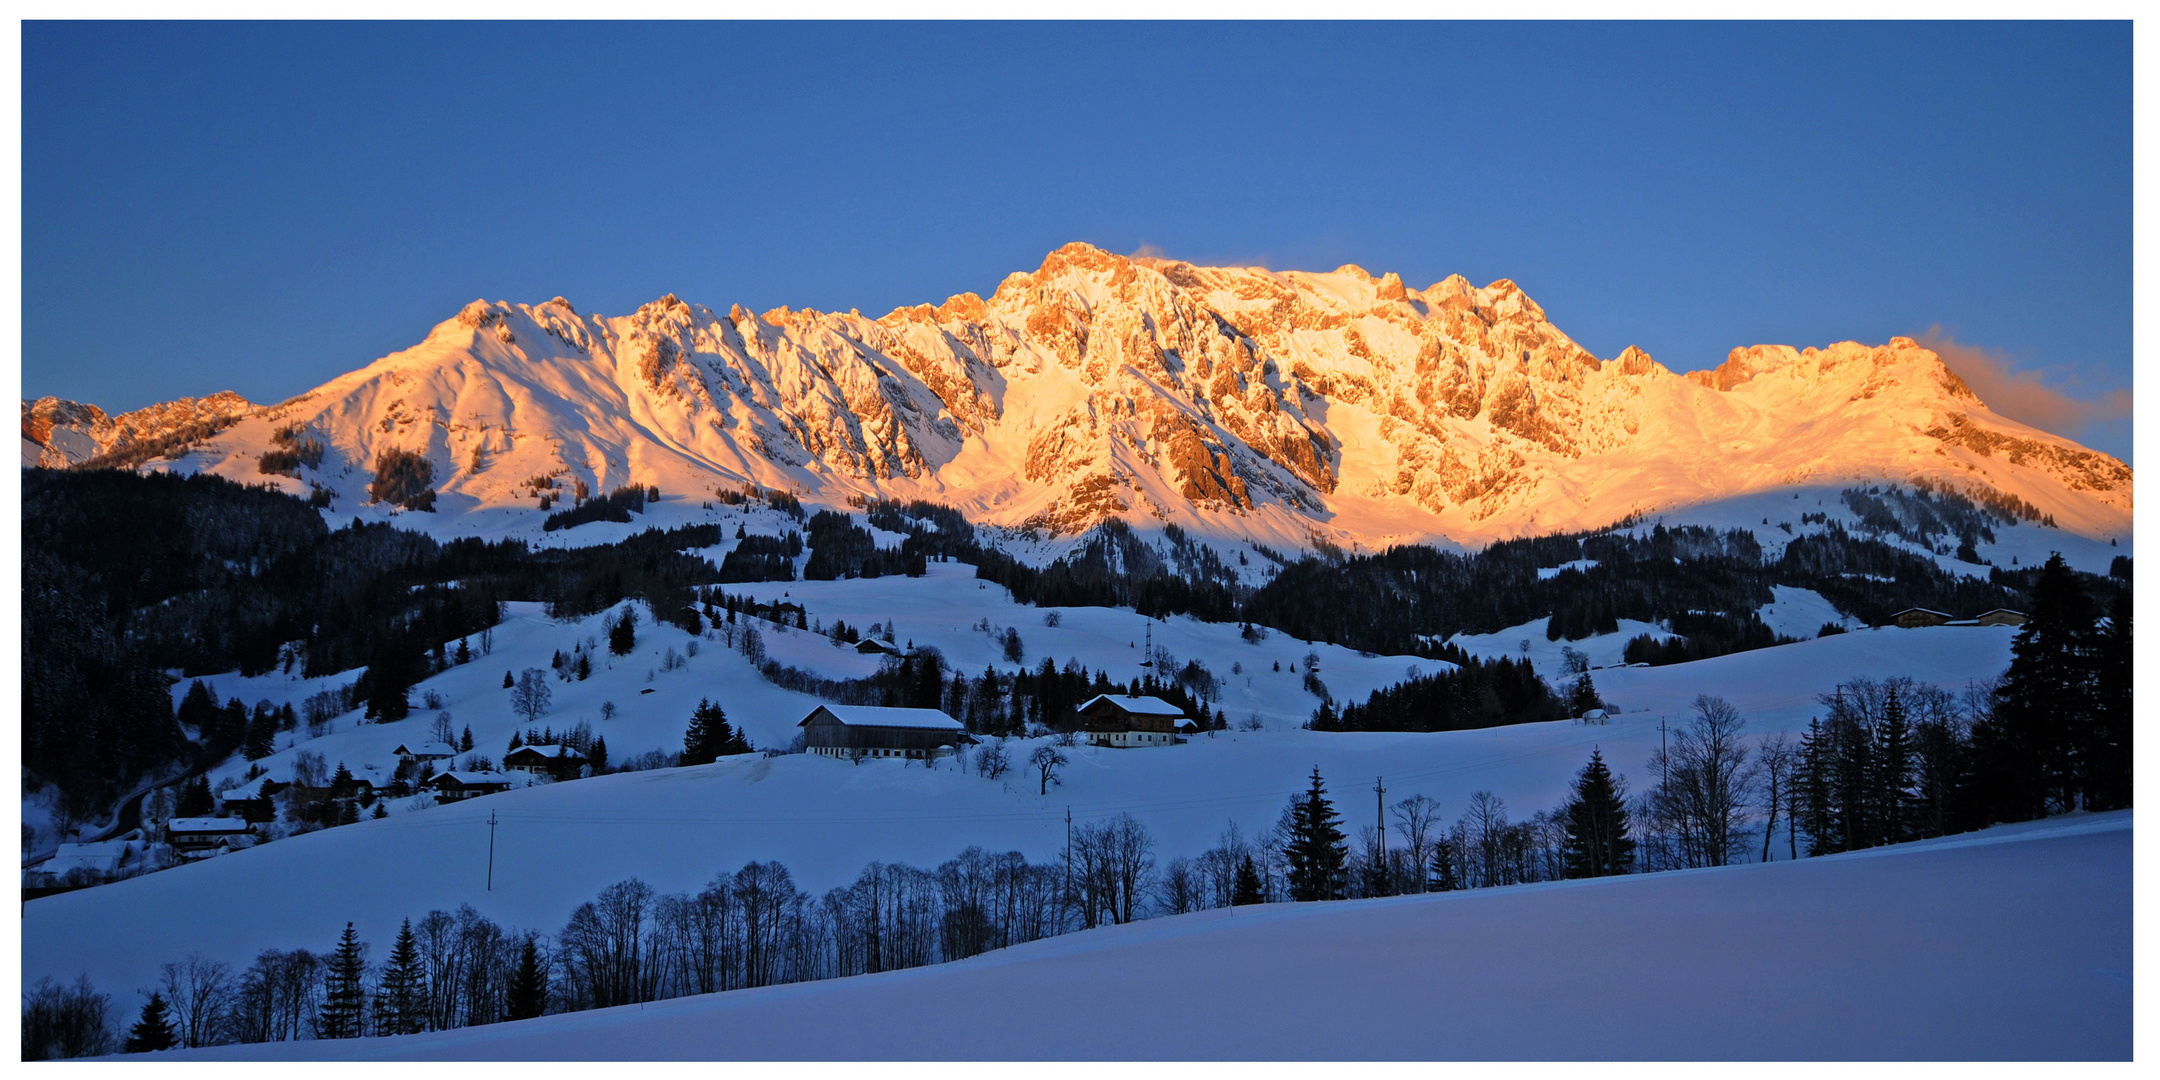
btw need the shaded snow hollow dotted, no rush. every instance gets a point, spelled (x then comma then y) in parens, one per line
(2008, 944)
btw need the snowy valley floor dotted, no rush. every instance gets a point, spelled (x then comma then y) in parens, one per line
(2014, 943)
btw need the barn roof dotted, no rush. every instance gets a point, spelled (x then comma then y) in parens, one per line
(1138, 706)
(546, 750)
(469, 778)
(883, 716)
(425, 749)
(206, 825)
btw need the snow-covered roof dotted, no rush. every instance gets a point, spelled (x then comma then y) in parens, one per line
(1138, 706)
(547, 750)
(426, 749)
(101, 857)
(206, 825)
(464, 777)
(250, 789)
(883, 716)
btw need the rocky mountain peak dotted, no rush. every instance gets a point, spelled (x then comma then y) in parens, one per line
(1278, 405)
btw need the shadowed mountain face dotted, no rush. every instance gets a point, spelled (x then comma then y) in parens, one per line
(1287, 408)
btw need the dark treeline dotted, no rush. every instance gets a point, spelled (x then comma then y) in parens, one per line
(756, 927)
(128, 576)
(839, 548)
(1476, 694)
(1115, 568)
(616, 505)
(1400, 600)
(1893, 761)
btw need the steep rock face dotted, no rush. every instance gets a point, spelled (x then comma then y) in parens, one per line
(1285, 407)
(58, 433)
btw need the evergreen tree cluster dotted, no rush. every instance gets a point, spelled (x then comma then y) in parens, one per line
(1893, 761)
(839, 548)
(761, 558)
(616, 506)
(709, 736)
(1475, 694)
(404, 478)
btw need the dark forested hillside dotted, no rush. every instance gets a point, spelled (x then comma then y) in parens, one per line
(127, 576)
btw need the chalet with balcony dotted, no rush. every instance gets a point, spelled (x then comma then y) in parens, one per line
(1125, 721)
(556, 760)
(458, 785)
(200, 837)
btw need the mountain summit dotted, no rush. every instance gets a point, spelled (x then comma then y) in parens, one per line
(1284, 407)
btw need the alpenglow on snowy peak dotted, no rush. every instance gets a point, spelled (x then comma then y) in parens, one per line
(1283, 407)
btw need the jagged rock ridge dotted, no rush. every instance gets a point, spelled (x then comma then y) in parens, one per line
(1285, 407)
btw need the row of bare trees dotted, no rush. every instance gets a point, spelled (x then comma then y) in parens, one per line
(1719, 797)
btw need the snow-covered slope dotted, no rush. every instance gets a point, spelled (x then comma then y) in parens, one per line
(1236, 402)
(557, 845)
(2013, 943)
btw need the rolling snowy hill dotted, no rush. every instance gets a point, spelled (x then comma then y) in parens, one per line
(1288, 409)
(556, 845)
(2009, 944)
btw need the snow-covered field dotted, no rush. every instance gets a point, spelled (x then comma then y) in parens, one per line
(2011, 944)
(557, 845)
(940, 609)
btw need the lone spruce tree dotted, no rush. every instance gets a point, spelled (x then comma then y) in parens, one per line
(344, 990)
(401, 995)
(528, 984)
(152, 1032)
(1315, 847)
(1249, 889)
(704, 741)
(1598, 844)
(1584, 696)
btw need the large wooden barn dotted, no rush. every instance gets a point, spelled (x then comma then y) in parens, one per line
(860, 731)
(1126, 720)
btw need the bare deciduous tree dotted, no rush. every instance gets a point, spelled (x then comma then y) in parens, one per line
(531, 696)
(1417, 821)
(1047, 760)
(1699, 807)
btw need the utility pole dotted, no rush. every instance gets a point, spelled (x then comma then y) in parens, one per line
(491, 851)
(1068, 854)
(1380, 815)
(1664, 766)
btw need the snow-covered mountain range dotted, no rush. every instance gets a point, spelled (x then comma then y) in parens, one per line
(1240, 403)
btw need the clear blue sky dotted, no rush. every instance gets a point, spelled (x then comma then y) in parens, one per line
(261, 207)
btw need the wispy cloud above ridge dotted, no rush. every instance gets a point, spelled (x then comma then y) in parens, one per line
(2043, 397)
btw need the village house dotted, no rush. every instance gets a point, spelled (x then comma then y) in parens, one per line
(860, 731)
(251, 802)
(1125, 721)
(557, 760)
(202, 837)
(415, 753)
(458, 785)
(1915, 617)
(870, 645)
(2000, 617)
